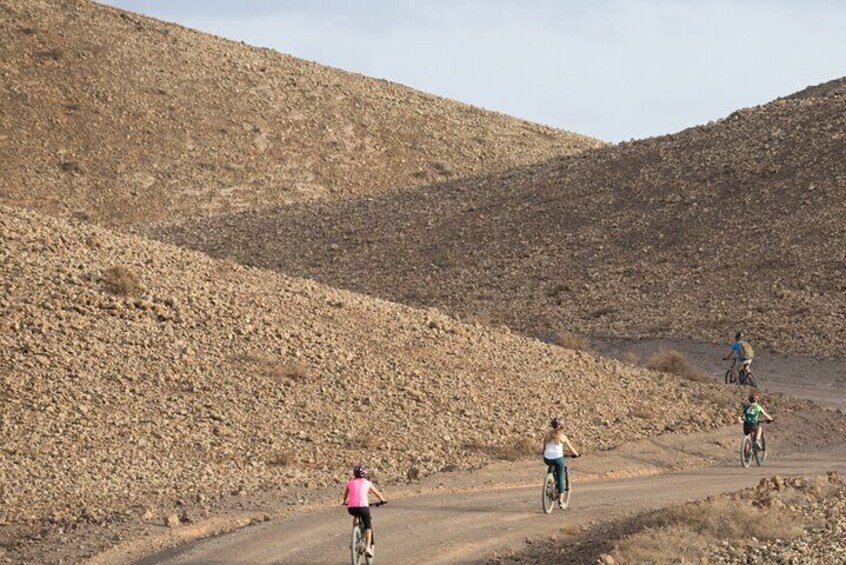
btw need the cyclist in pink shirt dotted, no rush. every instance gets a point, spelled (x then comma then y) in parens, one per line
(356, 501)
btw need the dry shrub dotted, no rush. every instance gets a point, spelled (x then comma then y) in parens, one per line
(513, 450)
(681, 533)
(294, 370)
(569, 340)
(675, 362)
(282, 458)
(604, 311)
(642, 410)
(363, 440)
(631, 358)
(119, 280)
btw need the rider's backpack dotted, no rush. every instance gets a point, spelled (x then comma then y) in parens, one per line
(746, 350)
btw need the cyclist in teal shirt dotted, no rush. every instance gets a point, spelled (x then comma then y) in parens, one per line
(752, 412)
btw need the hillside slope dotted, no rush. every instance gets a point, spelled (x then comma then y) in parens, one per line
(119, 118)
(205, 378)
(738, 223)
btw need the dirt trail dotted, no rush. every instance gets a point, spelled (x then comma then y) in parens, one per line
(466, 527)
(822, 380)
(497, 507)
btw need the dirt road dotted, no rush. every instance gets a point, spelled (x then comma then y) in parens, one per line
(498, 507)
(465, 527)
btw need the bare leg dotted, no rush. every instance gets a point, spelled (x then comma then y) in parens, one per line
(368, 536)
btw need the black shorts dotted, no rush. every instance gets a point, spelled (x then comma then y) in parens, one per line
(749, 428)
(363, 514)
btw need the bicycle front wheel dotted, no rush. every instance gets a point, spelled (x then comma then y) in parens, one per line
(356, 546)
(746, 451)
(750, 379)
(761, 454)
(568, 488)
(548, 493)
(729, 377)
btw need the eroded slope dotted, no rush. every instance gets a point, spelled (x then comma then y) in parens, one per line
(739, 223)
(119, 118)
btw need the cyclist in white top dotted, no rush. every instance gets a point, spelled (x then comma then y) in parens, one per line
(554, 442)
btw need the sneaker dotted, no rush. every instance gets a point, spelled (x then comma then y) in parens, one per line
(369, 552)
(562, 505)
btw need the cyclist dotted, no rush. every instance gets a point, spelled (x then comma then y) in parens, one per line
(752, 412)
(553, 454)
(356, 501)
(737, 353)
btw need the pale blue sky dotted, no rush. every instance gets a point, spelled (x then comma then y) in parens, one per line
(613, 69)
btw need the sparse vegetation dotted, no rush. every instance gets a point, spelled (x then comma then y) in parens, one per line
(570, 340)
(516, 449)
(676, 363)
(682, 534)
(121, 281)
(631, 358)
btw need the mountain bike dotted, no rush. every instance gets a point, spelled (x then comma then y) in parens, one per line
(744, 377)
(749, 451)
(357, 544)
(549, 493)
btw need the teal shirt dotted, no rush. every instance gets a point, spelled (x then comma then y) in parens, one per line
(752, 413)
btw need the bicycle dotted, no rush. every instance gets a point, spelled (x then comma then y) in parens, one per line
(744, 377)
(357, 545)
(549, 492)
(749, 450)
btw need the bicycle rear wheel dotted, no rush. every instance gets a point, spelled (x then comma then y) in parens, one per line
(548, 493)
(746, 451)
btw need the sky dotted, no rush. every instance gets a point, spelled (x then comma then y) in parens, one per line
(613, 69)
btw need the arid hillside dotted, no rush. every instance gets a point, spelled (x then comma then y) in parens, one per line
(118, 118)
(738, 223)
(133, 373)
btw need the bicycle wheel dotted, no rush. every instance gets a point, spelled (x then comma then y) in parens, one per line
(729, 377)
(548, 493)
(750, 379)
(761, 454)
(567, 488)
(356, 545)
(746, 451)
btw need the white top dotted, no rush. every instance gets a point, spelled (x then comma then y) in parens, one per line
(553, 450)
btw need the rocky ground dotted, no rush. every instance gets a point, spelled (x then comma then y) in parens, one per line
(789, 520)
(178, 377)
(118, 118)
(735, 224)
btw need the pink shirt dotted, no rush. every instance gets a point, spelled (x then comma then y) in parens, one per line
(357, 497)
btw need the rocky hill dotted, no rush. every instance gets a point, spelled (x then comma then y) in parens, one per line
(133, 373)
(738, 223)
(118, 118)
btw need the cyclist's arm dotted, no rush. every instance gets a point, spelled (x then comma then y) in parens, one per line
(765, 415)
(346, 494)
(572, 449)
(375, 491)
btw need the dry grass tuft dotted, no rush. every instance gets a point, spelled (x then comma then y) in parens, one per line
(631, 358)
(569, 340)
(675, 362)
(681, 534)
(119, 280)
(516, 449)
(281, 458)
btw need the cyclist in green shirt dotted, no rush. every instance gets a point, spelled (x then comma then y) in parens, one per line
(752, 412)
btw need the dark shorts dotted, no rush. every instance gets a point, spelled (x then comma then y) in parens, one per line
(363, 514)
(749, 428)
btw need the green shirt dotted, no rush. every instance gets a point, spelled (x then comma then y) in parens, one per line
(752, 413)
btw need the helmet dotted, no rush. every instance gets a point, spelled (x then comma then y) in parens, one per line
(556, 422)
(740, 335)
(753, 398)
(359, 471)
